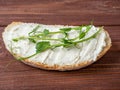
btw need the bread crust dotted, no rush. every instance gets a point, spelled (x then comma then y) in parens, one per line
(64, 67)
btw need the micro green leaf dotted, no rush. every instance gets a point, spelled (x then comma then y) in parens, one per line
(65, 29)
(82, 35)
(15, 39)
(46, 32)
(32, 40)
(42, 46)
(66, 42)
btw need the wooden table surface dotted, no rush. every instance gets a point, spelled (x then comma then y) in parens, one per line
(102, 75)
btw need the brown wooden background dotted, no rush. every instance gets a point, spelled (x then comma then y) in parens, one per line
(102, 75)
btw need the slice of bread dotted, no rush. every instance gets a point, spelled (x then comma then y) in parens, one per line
(60, 58)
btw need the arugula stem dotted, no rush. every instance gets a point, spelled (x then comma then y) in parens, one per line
(41, 34)
(74, 38)
(23, 58)
(37, 38)
(55, 32)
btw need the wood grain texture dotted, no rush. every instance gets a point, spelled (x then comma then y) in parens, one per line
(72, 12)
(102, 75)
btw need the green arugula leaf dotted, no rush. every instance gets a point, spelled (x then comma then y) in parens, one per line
(65, 29)
(46, 32)
(15, 39)
(42, 46)
(82, 35)
(67, 43)
(32, 40)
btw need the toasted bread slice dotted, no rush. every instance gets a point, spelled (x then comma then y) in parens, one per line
(60, 58)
